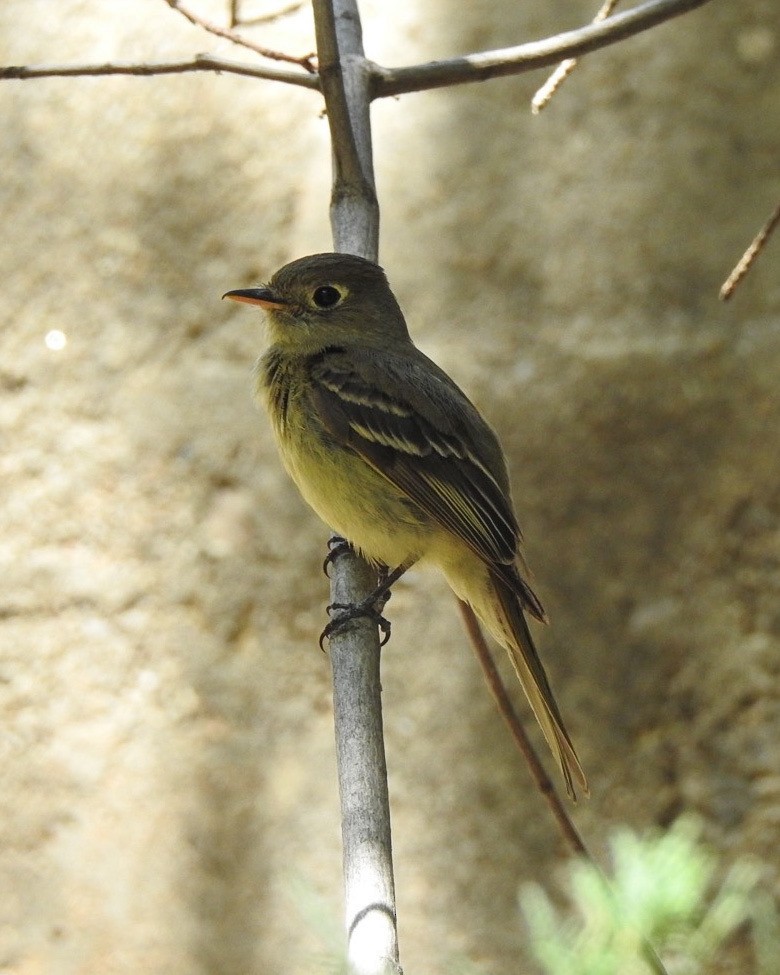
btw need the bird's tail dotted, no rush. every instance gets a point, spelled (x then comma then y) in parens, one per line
(509, 626)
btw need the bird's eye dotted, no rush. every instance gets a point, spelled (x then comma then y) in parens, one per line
(327, 296)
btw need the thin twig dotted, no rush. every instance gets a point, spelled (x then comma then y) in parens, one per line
(230, 35)
(539, 775)
(202, 62)
(234, 15)
(748, 258)
(565, 68)
(525, 57)
(289, 8)
(385, 82)
(506, 708)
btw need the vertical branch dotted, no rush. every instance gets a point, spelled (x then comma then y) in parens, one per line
(346, 80)
(369, 890)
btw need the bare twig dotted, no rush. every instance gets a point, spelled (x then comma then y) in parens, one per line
(234, 14)
(748, 258)
(506, 708)
(304, 61)
(565, 68)
(289, 8)
(369, 888)
(202, 62)
(543, 782)
(544, 94)
(385, 82)
(525, 57)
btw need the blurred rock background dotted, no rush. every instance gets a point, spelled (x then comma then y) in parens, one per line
(168, 793)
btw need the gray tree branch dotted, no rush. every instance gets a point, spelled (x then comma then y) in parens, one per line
(387, 82)
(369, 889)
(201, 62)
(525, 57)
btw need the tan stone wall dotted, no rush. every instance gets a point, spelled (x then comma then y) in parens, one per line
(168, 798)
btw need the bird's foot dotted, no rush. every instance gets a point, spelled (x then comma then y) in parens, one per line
(370, 608)
(336, 547)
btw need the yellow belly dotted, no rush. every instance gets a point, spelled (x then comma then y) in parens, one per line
(353, 499)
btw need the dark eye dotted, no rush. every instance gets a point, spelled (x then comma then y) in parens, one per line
(326, 297)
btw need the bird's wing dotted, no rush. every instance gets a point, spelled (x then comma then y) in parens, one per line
(422, 440)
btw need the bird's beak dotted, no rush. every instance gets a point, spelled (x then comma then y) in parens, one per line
(257, 296)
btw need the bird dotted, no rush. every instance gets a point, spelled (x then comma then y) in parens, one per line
(393, 456)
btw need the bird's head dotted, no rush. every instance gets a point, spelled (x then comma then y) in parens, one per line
(328, 299)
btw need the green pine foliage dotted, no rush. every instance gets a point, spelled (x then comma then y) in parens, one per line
(663, 891)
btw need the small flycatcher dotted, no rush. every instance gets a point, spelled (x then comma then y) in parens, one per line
(392, 455)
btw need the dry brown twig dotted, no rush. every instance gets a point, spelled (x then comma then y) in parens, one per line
(271, 18)
(565, 68)
(747, 260)
(305, 61)
(389, 82)
(506, 708)
(541, 779)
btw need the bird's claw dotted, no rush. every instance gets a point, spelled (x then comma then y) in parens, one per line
(336, 547)
(346, 612)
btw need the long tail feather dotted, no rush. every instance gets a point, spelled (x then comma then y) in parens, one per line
(522, 652)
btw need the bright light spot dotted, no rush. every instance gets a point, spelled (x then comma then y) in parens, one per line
(148, 680)
(56, 340)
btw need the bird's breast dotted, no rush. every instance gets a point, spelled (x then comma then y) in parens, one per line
(350, 496)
